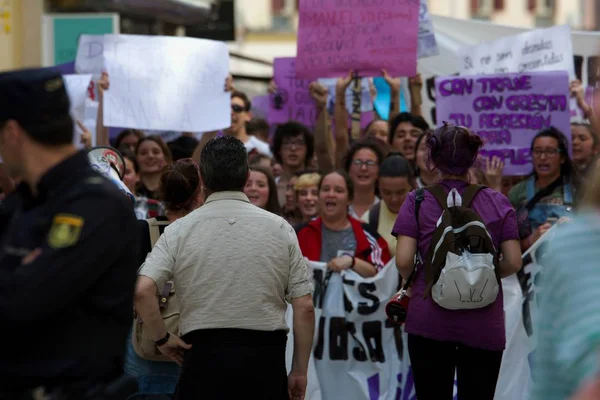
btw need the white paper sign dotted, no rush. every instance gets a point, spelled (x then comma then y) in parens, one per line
(166, 83)
(89, 59)
(427, 46)
(77, 89)
(537, 50)
(366, 103)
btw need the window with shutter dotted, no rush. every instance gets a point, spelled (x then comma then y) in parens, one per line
(531, 5)
(498, 5)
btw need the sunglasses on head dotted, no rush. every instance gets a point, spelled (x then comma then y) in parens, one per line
(237, 108)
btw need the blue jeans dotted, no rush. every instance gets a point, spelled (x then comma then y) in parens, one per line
(154, 377)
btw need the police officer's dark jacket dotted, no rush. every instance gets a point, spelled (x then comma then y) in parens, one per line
(65, 314)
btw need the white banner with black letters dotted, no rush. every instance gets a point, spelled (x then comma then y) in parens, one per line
(359, 355)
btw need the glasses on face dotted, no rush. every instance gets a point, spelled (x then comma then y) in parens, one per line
(537, 152)
(236, 108)
(360, 163)
(293, 142)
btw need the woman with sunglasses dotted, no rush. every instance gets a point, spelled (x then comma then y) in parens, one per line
(548, 194)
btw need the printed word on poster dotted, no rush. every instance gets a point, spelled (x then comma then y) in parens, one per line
(166, 83)
(548, 49)
(506, 110)
(335, 36)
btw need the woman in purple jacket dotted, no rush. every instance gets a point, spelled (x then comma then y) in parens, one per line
(442, 341)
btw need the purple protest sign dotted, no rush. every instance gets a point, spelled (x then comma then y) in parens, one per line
(506, 110)
(335, 36)
(292, 102)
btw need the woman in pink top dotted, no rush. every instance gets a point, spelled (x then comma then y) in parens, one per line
(440, 340)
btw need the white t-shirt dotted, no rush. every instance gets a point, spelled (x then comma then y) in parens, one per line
(255, 143)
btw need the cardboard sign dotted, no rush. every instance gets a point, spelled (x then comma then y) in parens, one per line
(335, 36)
(506, 110)
(537, 50)
(166, 83)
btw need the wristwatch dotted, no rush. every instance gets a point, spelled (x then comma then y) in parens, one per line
(162, 341)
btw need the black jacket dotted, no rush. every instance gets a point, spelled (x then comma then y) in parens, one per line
(65, 314)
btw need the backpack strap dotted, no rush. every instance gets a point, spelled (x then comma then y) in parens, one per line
(374, 216)
(440, 195)
(469, 194)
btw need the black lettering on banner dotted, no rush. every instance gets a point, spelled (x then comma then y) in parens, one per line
(319, 291)
(338, 339)
(397, 337)
(372, 331)
(525, 283)
(365, 290)
(318, 352)
(347, 303)
(358, 351)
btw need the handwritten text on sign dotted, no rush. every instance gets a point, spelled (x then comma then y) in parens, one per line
(292, 101)
(166, 83)
(506, 111)
(335, 36)
(548, 49)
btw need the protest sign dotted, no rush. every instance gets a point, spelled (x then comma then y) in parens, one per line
(90, 60)
(383, 100)
(427, 46)
(335, 36)
(521, 293)
(366, 102)
(548, 49)
(506, 110)
(166, 83)
(292, 101)
(357, 353)
(77, 89)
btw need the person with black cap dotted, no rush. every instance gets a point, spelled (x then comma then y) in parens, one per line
(68, 248)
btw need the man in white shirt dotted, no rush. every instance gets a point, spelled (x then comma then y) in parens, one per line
(234, 267)
(240, 115)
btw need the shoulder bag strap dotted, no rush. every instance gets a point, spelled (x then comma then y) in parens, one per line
(374, 216)
(419, 196)
(154, 227)
(543, 193)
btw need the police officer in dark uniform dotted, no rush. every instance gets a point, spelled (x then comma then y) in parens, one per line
(68, 248)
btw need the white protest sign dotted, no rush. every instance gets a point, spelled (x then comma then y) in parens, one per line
(366, 102)
(89, 59)
(427, 46)
(166, 83)
(77, 89)
(537, 50)
(520, 309)
(359, 355)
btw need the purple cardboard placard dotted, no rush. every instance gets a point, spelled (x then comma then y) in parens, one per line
(292, 102)
(335, 36)
(506, 110)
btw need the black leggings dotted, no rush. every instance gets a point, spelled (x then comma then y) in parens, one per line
(434, 363)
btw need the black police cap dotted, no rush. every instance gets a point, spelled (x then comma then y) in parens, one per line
(38, 100)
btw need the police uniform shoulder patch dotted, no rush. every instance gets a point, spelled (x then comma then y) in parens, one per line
(65, 230)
